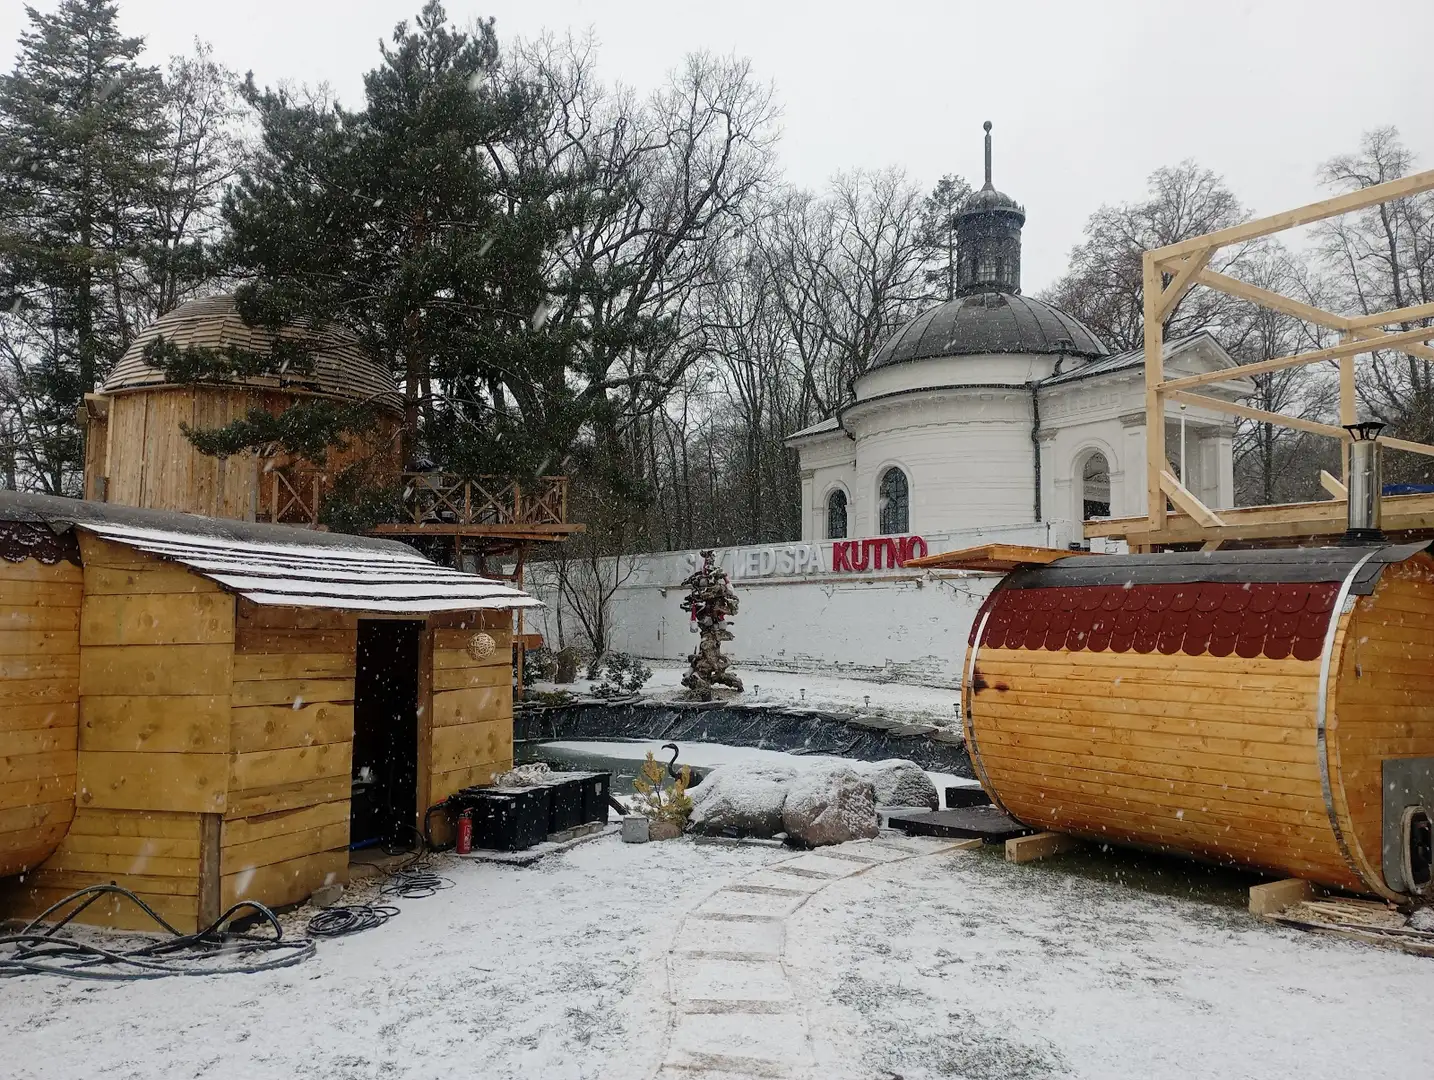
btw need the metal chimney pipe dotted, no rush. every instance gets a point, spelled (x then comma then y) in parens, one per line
(1364, 482)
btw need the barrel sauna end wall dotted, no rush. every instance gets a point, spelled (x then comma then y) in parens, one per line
(40, 586)
(1266, 709)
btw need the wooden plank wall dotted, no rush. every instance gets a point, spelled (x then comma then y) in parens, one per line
(1208, 755)
(39, 708)
(1383, 701)
(152, 464)
(468, 736)
(96, 449)
(156, 651)
(286, 827)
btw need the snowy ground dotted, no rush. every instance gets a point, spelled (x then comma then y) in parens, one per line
(917, 703)
(609, 960)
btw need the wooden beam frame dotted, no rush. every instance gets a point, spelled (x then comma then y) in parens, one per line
(1304, 215)
(1184, 500)
(1168, 273)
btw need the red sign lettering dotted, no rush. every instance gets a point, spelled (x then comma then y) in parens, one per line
(878, 553)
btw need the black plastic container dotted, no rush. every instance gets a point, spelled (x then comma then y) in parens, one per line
(566, 808)
(509, 819)
(596, 789)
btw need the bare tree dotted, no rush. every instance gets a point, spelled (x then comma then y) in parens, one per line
(1103, 286)
(1382, 258)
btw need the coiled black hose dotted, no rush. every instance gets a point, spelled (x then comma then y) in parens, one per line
(215, 950)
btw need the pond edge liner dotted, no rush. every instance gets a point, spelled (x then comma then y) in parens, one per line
(799, 731)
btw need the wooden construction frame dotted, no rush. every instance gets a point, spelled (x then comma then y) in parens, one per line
(1168, 274)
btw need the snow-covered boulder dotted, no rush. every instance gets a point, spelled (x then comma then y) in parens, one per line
(830, 806)
(747, 798)
(900, 783)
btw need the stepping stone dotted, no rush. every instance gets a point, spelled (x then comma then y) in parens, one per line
(704, 979)
(758, 1044)
(823, 863)
(731, 901)
(787, 883)
(748, 938)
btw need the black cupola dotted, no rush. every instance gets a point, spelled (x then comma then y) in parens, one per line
(988, 239)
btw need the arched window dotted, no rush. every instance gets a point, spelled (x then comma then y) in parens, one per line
(1095, 486)
(894, 502)
(836, 515)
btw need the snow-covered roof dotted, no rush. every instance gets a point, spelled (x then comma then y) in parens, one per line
(821, 427)
(274, 564)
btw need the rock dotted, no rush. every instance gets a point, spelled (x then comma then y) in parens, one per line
(1423, 919)
(900, 783)
(663, 830)
(745, 799)
(830, 806)
(635, 829)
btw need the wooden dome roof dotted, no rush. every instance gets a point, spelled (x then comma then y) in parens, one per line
(341, 367)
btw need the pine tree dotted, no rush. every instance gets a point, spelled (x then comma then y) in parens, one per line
(417, 226)
(80, 126)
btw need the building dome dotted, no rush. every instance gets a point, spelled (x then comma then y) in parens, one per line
(993, 322)
(341, 368)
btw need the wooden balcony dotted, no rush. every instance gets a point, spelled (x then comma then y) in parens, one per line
(437, 504)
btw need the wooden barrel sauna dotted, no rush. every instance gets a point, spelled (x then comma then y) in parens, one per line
(40, 584)
(1268, 709)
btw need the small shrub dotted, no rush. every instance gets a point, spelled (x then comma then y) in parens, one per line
(539, 665)
(622, 674)
(661, 798)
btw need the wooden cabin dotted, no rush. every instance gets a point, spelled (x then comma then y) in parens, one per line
(136, 452)
(206, 711)
(1271, 708)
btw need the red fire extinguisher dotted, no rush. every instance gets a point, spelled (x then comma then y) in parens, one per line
(465, 833)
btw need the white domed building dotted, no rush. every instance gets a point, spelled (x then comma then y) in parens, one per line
(996, 410)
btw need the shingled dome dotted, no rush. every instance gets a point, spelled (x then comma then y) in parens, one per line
(341, 367)
(989, 323)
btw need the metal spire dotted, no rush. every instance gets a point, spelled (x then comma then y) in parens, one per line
(989, 185)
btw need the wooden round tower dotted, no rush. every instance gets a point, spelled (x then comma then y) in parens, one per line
(136, 452)
(1271, 709)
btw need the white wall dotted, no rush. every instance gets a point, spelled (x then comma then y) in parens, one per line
(897, 624)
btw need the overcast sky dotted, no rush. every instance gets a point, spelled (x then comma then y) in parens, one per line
(1087, 98)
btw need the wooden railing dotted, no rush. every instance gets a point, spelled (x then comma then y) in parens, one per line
(448, 499)
(295, 497)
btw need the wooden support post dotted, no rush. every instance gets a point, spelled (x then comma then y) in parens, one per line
(1154, 403)
(210, 871)
(425, 724)
(1040, 846)
(1348, 407)
(1333, 486)
(1278, 895)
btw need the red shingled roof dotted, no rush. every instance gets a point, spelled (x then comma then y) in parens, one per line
(1249, 619)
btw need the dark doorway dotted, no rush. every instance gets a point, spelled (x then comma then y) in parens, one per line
(385, 767)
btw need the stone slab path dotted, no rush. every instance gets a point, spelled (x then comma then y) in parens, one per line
(733, 1011)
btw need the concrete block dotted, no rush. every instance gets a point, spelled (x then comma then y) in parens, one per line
(635, 829)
